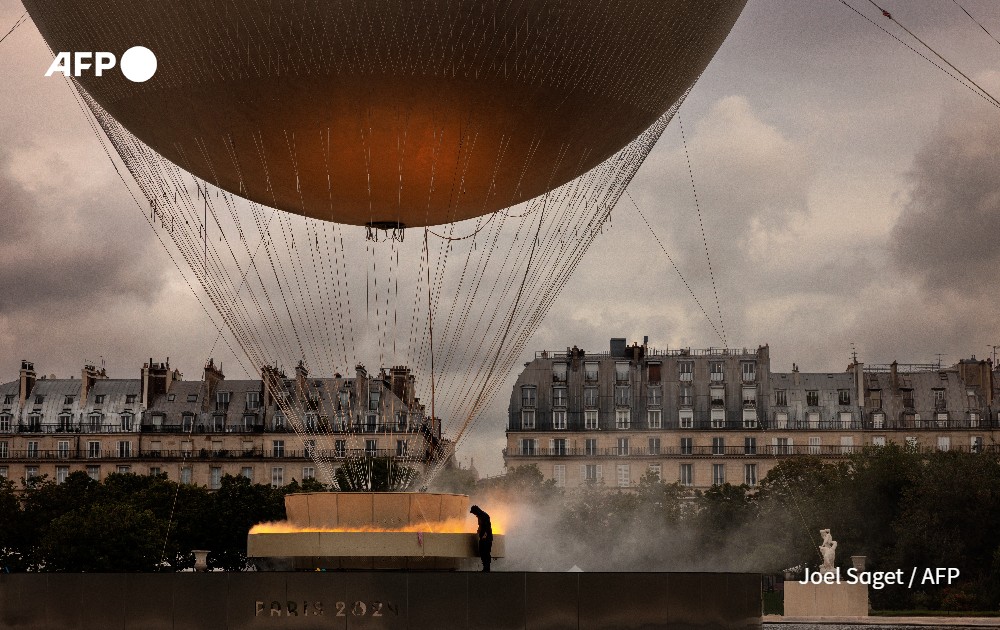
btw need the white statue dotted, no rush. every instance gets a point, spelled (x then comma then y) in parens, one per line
(827, 549)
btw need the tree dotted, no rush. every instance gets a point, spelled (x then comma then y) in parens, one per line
(102, 537)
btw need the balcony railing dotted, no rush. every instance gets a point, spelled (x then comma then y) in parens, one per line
(764, 450)
(204, 453)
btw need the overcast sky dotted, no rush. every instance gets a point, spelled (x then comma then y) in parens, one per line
(849, 191)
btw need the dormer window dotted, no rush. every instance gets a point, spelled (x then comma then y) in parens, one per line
(622, 372)
(591, 370)
(222, 401)
(253, 400)
(559, 372)
(130, 399)
(99, 399)
(68, 400)
(39, 400)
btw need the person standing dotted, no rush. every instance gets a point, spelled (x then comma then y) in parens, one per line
(484, 536)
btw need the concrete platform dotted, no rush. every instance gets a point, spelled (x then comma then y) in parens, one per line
(381, 600)
(779, 622)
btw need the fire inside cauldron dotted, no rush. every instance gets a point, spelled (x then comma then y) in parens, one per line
(370, 530)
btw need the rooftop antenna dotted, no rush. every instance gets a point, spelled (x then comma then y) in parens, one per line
(939, 355)
(854, 353)
(994, 348)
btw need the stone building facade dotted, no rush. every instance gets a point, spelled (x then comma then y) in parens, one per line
(199, 431)
(713, 416)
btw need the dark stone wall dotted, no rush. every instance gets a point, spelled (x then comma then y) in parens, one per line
(415, 600)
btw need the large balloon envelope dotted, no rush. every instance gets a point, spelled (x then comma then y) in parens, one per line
(392, 111)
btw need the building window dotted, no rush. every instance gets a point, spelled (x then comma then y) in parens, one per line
(559, 398)
(249, 420)
(93, 449)
(94, 421)
(718, 446)
(218, 423)
(94, 472)
(371, 448)
(686, 398)
(61, 473)
(907, 398)
(686, 418)
(749, 370)
(8, 399)
(127, 421)
(590, 371)
(654, 417)
(718, 397)
(62, 449)
(310, 447)
(846, 419)
(590, 397)
(944, 443)
(780, 398)
(878, 420)
(528, 396)
(590, 446)
(99, 399)
(781, 420)
(129, 399)
(654, 446)
(222, 401)
(911, 441)
(187, 422)
(749, 446)
(559, 475)
(310, 422)
(192, 398)
(686, 475)
(939, 402)
(623, 418)
(559, 372)
(812, 398)
(843, 396)
(590, 419)
(124, 449)
(171, 397)
(718, 417)
(3, 472)
(622, 448)
(653, 373)
(344, 399)
(402, 448)
(5, 423)
(846, 444)
(33, 449)
(253, 400)
(782, 446)
(621, 372)
(718, 474)
(715, 370)
(277, 448)
(65, 422)
(976, 444)
(815, 444)
(973, 419)
(749, 396)
(685, 371)
(279, 421)
(749, 418)
(247, 472)
(527, 418)
(654, 396)
(374, 397)
(687, 446)
(656, 470)
(277, 477)
(401, 424)
(624, 476)
(340, 448)
(812, 419)
(4, 450)
(215, 478)
(592, 473)
(878, 440)
(750, 474)
(559, 419)
(875, 398)
(39, 400)
(308, 472)
(30, 472)
(623, 396)
(527, 446)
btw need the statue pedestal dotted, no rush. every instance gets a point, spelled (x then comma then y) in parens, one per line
(826, 600)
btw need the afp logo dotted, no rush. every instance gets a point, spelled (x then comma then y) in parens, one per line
(138, 63)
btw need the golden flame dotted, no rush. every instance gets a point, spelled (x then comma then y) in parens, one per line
(449, 526)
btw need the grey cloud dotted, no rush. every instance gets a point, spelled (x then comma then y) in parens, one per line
(948, 233)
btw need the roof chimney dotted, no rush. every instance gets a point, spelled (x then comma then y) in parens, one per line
(27, 382)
